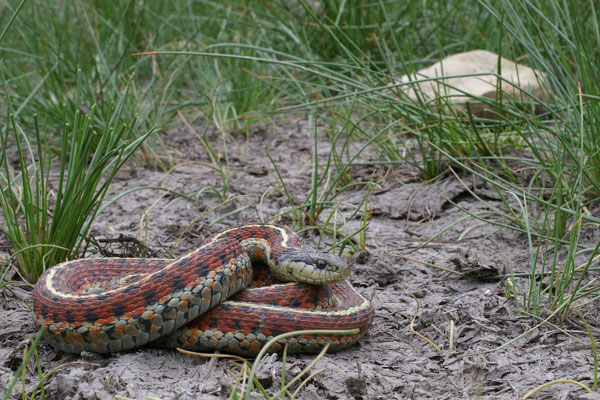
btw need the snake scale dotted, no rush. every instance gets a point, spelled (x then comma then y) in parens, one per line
(195, 302)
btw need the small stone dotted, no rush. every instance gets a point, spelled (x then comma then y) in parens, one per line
(517, 80)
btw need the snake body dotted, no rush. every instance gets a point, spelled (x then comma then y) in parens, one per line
(114, 304)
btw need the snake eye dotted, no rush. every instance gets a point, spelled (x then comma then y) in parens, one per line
(321, 264)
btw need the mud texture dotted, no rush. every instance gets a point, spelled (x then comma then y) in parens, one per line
(391, 362)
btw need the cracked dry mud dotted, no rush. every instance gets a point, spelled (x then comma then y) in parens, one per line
(391, 362)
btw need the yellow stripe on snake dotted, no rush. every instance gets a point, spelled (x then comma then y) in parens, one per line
(115, 304)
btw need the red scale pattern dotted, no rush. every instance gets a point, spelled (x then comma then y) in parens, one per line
(73, 278)
(77, 282)
(281, 318)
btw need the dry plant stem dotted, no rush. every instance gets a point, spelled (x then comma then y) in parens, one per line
(547, 384)
(271, 342)
(305, 370)
(244, 378)
(236, 379)
(412, 324)
(206, 146)
(212, 355)
(451, 271)
(527, 332)
(55, 369)
(265, 194)
(119, 397)
(246, 388)
(198, 218)
(451, 340)
(308, 378)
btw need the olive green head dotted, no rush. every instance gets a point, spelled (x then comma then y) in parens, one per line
(308, 265)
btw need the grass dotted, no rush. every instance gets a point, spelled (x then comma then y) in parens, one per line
(95, 78)
(42, 236)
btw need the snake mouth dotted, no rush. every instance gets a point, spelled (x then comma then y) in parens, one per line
(322, 279)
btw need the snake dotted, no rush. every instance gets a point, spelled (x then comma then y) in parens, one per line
(196, 302)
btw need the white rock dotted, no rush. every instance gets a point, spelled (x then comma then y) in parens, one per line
(517, 79)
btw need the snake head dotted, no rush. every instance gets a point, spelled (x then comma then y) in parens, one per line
(308, 265)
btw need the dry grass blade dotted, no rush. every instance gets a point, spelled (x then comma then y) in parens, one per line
(56, 369)
(277, 338)
(412, 326)
(212, 355)
(548, 384)
(305, 381)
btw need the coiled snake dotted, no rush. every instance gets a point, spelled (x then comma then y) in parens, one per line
(114, 304)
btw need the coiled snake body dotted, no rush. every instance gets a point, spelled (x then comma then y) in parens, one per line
(114, 304)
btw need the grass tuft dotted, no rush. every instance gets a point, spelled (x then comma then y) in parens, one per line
(48, 217)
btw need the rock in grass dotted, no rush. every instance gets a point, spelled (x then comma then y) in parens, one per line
(518, 83)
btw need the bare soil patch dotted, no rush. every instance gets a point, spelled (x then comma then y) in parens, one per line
(391, 362)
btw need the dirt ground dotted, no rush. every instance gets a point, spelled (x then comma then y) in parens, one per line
(390, 362)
